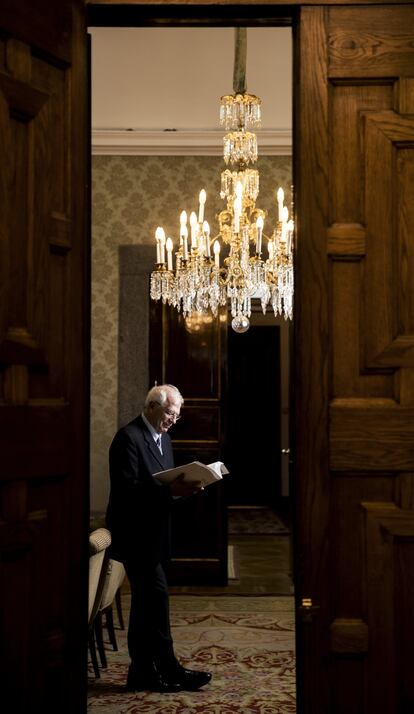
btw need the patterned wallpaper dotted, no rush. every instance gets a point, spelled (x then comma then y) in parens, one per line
(131, 196)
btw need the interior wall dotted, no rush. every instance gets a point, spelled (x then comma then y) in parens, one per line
(131, 196)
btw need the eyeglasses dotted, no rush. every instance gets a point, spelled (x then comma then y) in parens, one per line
(171, 415)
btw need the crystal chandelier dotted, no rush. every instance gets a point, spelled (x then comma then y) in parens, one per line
(235, 265)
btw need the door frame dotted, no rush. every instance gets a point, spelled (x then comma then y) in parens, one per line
(310, 374)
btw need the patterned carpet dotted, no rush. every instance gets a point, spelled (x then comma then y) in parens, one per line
(248, 644)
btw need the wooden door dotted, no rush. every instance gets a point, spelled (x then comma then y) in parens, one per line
(354, 355)
(191, 355)
(44, 338)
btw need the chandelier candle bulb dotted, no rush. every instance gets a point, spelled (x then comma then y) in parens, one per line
(216, 249)
(185, 243)
(206, 232)
(160, 238)
(183, 223)
(236, 222)
(202, 199)
(270, 248)
(169, 246)
(201, 244)
(290, 227)
(162, 246)
(239, 189)
(193, 226)
(280, 198)
(259, 231)
(285, 216)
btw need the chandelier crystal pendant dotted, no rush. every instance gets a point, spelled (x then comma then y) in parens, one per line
(241, 262)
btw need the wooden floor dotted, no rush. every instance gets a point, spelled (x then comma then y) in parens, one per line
(264, 568)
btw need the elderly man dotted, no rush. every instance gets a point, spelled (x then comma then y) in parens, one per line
(138, 517)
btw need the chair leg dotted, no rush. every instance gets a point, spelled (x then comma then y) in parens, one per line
(99, 639)
(110, 627)
(92, 650)
(119, 609)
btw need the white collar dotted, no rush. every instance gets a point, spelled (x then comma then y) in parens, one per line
(155, 434)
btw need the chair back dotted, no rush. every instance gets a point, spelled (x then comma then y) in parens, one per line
(99, 541)
(115, 575)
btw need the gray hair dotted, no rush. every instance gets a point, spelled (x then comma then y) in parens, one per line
(161, 393)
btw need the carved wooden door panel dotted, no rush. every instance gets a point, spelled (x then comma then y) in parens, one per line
(192, 355)
(354, 375)
(43, 356)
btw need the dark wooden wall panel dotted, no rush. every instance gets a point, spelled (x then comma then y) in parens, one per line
(195, 361)
(196, 422)
(44, 351)
(355, 196)
(192, 358)
(348, 491)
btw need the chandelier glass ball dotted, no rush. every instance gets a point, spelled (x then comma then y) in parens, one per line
(240, 323)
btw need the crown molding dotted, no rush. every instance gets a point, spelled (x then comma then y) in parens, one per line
(181, 143)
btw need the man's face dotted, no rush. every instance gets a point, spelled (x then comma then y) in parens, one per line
(163, 417)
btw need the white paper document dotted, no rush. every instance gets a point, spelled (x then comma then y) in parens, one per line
(194, 472)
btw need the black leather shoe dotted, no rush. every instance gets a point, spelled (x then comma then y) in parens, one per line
(151, 681)
(191, 679)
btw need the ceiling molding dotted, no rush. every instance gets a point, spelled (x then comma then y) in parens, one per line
(181, 143)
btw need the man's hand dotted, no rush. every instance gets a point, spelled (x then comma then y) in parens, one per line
(179, 487)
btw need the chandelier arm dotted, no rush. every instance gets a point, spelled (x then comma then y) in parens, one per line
(240, 56)
(223, 277)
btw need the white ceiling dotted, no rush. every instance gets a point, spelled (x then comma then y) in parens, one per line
(149, 80)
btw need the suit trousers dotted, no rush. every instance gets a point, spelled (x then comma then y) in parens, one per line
(149, 631)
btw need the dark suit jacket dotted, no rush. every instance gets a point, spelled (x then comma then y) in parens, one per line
(138, 512)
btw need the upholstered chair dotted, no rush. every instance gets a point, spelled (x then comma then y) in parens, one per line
(115, 575)
(99, 541)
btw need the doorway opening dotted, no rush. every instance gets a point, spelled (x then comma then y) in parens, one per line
(254, 417)
(134, 191)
